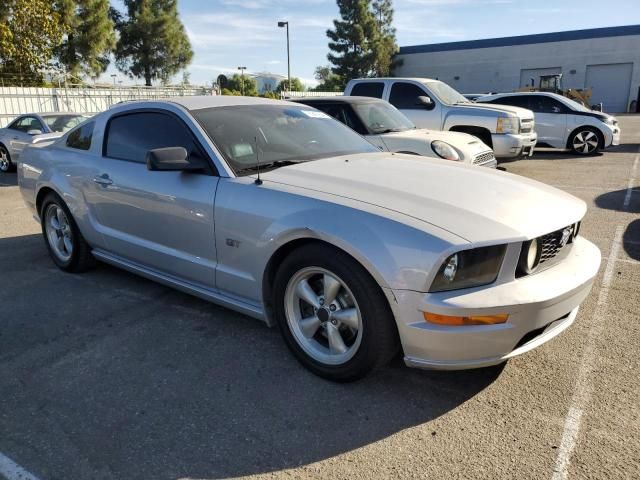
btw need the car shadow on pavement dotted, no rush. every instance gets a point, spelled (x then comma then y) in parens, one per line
(8, 180)
(616, 199)
(108, 375)
(631, 239)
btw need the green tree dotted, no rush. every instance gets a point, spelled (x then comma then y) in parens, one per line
(328, 81)
(29, 32)
(90, 36)
(296, 85)
(384, 45)
(235, 84)
(352, 40)
(153, 43)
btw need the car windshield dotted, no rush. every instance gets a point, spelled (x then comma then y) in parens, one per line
(276, 135)
(62, 123)
(445, 93)
(382, 117)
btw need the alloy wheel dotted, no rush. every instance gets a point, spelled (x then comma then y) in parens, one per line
(59, 234)
(323, 316)
(5, 164)
(585, 141)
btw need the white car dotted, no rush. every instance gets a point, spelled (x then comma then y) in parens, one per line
(562, 122)
(389, 130)
(278, 211)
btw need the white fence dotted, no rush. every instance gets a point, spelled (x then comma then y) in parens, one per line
(18, 100)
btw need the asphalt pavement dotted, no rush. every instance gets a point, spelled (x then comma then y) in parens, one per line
(107, 376)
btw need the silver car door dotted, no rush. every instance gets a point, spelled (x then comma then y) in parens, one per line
(158, 220)
(404, 96)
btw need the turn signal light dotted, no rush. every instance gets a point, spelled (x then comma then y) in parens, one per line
(471, 320)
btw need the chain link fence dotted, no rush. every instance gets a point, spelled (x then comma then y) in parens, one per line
(15, 101)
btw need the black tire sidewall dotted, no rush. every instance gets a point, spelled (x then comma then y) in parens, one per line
(377, 318)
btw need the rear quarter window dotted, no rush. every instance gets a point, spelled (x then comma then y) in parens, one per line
(80, 138)
(368, 89)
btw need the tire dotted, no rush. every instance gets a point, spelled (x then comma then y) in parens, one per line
(354, 334)
(585, 141)
(67, 248)
(6, 165)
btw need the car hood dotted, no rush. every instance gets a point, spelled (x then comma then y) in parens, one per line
(522, 113)
(457, 139)
(480, 205)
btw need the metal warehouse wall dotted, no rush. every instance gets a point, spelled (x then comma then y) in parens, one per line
(500, 69)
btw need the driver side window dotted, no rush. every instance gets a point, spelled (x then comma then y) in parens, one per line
(405, 96)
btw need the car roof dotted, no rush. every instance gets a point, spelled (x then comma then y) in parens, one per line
(415, 79)
(512, 94)
(339, 99)
(198, 102)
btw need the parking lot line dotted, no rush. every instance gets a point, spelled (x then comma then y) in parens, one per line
(582, 393)
(12, 471)
(627, 197)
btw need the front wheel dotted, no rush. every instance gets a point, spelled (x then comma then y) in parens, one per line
(585, 141)
(332, 314)
(5, 160)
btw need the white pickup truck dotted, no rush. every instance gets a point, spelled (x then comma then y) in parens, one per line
(435, 105)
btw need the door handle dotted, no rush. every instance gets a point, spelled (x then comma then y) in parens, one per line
(103, 180)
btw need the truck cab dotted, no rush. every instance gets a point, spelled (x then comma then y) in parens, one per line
(435, 105)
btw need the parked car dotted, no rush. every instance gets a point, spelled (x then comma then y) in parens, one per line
(389, 130)
(472, 97)
(432, 104)
(562, 122)
(24, 128)
(278, 211)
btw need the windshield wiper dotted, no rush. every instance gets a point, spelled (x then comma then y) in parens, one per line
(264, 166)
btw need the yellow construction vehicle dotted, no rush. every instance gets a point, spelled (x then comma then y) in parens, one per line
(553, 83)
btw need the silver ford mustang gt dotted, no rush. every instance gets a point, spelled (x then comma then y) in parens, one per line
(276, 210)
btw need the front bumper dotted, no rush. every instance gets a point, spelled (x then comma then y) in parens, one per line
(512, 145)
(540, 306)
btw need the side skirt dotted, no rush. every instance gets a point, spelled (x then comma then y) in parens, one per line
(207, 294)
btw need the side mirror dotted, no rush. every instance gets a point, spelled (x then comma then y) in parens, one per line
(172, 159)
(426, 102)
(34, 131)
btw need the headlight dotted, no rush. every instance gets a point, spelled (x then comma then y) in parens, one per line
(508, 125)
(469, 268)
(444, 150)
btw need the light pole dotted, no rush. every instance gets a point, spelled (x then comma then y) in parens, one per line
(281, 25)
(242, 69)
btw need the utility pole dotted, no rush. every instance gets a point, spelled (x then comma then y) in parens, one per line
(281, 25)
(242, 69)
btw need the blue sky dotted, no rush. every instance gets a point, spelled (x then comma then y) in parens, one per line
(227, 33)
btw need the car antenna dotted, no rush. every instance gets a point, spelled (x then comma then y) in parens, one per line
(385, 144)
(257, 181)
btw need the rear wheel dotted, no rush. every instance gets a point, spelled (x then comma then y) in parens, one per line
(5, 160)
(67, 248)
(585, 141)
(332, 314)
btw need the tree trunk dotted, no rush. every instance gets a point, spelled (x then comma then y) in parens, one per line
(147, 76)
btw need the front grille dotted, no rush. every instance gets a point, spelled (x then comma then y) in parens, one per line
(483, 158)
(552, 249)
(552, 245)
